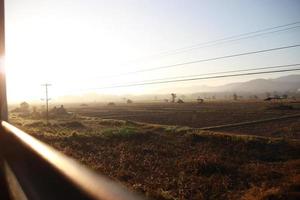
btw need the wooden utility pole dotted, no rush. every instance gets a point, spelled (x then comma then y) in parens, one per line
(3, 98)
(46, 85)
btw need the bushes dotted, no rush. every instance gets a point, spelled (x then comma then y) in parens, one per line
(72, 124)
(111, 122)
(35, 124)
(125, 131)
(202, 165)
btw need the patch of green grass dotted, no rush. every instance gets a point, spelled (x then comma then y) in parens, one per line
(170, 129)
(176, 129)
(111, 122)
(125, 131)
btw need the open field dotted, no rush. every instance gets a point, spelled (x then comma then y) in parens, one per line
(163, 160)
(205, 115)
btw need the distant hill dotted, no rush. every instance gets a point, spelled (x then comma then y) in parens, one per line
(281, 84)
(290, 79)
(258, 87)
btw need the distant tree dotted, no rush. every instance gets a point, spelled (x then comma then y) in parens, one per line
(111, 104)
(24, 106)
(34, 109)
(173, 95)
(255, 97)
(235, 97)
(129, 101)
(53, 110)
(61, 110)
(284, 96)
(35, 114)
(58, 111)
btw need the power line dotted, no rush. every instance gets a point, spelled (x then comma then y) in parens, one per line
(211, 59)
(228, 41)
(223, 72)
(193, 79)
(202, 60)
(224, 40)
(216, 42)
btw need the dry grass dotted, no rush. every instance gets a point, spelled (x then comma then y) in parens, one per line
(175, 162)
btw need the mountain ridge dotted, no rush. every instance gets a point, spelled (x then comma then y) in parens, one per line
(280, 84)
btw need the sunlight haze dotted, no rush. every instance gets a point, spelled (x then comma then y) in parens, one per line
(80, 45)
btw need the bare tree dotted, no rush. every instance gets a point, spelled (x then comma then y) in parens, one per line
(173, 97)
(111, 104)
(235, 97)
(24, 107)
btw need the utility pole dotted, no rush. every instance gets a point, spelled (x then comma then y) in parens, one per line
(3, 100)
(46, 85)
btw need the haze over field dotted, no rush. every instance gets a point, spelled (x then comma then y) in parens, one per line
(78, 46)
(281, 85)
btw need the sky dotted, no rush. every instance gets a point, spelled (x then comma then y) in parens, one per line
(80, 45)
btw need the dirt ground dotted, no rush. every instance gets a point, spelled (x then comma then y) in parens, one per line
(206, 115)
(167, 160)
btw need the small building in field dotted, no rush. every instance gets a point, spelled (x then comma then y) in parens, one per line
(199, 100)
(180, 101)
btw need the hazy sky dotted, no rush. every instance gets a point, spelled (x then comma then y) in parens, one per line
(74, 43)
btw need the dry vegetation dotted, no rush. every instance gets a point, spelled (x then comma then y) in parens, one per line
(176, 162)
(189, 114)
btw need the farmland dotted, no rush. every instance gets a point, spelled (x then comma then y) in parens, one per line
(204, 115)
(159, 149)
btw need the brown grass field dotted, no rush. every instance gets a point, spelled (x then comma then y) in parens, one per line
(158, 150)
